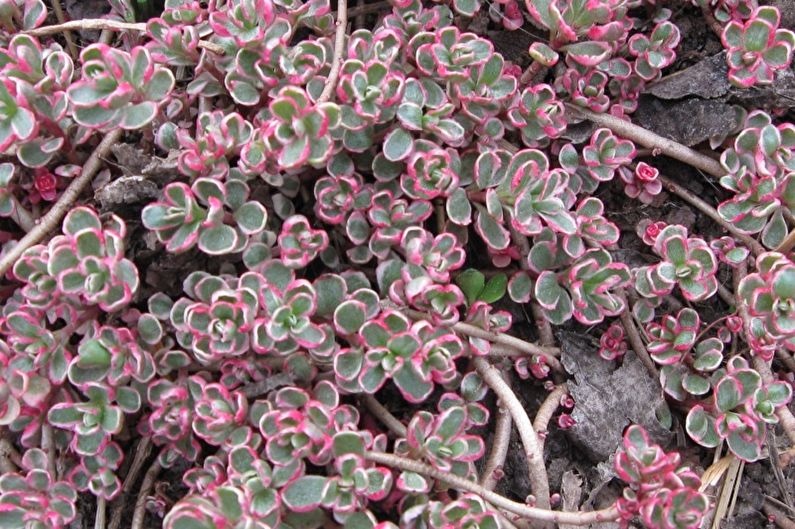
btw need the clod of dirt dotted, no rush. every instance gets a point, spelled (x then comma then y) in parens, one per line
(124, 191)
(608, 399)
(688, 122)
(130, 158)
(707, 79)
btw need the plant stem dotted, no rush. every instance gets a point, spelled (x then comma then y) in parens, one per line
(712, 213)
(142, 451)
(50, 220)
(48, 446)
(10, 460)
(550, 353)
(99, 520)
(339, 45)
(384, 415)
(635, 340)
(366, 9)
(779, 517)
(651, 140)
(67, 35)
(521, 509)
(499, 445)
(547, 410)
(786, 358)
(143, 492)
(712, 22)
(105, 24)
(788, 243)
(532, 448)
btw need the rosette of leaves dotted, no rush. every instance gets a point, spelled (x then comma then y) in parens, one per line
(218, 412)
(738, 411)
(523, 183)
(369, 93)
(447, 54)
(485, 92)
(760, 166)
(769, 294)
(593, 229)
(411, 18)
(215, 215)
(538, 115)
(686, 366)
(438, 255)
(605, 153)
(663, 492)
(425, 108)
(96, 420)
(431, 172)
(295, 132)
(352, 484)
(288, 321)
(757, 48)
(655, 52)
(299, 242)
(390, 349)
(175, 35)
(586, 87)
(414, 287)
(687, 262)
(24, 387)
(216, 319)
(339, 194)
(97, 473)
(34, 498)
(442, 441)
(169, 422)
(87, 262)
(33, 103)
(113, 355)
(470, 393)
(119, 89)
(301, 424)
(761, 148)
(219, 137)
(568, 20)
(390, 216)
(468, 511)
(586, 290)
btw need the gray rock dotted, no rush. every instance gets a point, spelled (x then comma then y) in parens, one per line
(689, 122)
(706, 79)
(608, 399)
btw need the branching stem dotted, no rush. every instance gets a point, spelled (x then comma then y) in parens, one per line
(521, 509)
(532, 447)
(649, 139)
(499, 446)
(384, 415)
(339, 48)
(51, 219)
(548, 409)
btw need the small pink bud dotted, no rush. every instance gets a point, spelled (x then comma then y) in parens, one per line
(565, 421)
(646, 173)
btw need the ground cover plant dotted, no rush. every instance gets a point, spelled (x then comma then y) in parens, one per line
(287, 264)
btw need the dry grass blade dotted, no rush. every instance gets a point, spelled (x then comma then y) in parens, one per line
(728, 492)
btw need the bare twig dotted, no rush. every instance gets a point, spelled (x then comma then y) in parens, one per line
(712, 213)
(547, 410)
(48, 445)
(67, 35)
(339, 48)
(650, 139)
(10, 460)
(143, 492)
(49, 221)
(550, 353)
(142, 451)
(521, 509)
(532, 447)
(779, 517)
(99, 520)
(634, 337)
(384, 415)
(112, 25)
(366, 9)
(499, 446)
